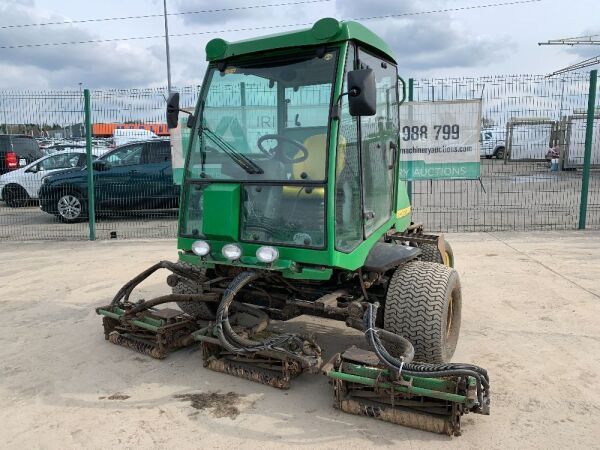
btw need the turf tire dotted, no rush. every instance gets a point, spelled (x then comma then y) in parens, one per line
(420, 298)
(198, 310)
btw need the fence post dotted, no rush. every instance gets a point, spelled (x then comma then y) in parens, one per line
(411, 83)
(89, 161)
(587, 156)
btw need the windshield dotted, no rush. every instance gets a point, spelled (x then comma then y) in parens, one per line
(265, 120)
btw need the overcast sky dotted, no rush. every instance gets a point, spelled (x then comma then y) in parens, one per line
(501, 40)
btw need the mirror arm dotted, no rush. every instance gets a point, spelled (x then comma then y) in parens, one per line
(403, 90)
(336, 109)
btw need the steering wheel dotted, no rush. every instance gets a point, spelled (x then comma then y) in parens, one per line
(280, 153)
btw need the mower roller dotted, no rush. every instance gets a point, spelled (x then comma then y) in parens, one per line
(293, 203)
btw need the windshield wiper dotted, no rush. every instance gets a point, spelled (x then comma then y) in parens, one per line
(241, 160)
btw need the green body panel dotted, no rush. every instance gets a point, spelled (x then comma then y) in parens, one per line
(437, 384)
(221, 226)
(324, 31)
(223, 202)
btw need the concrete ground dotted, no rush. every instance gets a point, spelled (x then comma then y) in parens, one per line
(531, 316)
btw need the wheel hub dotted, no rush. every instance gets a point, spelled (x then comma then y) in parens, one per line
(69, 207)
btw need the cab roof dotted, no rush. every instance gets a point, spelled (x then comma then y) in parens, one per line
(324, 31)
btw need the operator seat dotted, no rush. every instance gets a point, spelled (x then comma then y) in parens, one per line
(313, 167)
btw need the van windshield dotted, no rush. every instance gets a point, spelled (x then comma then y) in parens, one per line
(265, 120)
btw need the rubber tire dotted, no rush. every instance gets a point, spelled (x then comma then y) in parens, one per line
(198, 310)
(82, 216)
(499, 153)
(431, 253)
(15, 196)
(417, 307)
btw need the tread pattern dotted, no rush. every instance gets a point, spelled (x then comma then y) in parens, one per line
(198, 310)
(417, 305)
(431, 253)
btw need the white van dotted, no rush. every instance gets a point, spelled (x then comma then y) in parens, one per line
(122, 136)
(492, 143)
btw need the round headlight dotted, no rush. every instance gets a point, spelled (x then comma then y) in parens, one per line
(267, 254)
(201, 248)
(232, 251)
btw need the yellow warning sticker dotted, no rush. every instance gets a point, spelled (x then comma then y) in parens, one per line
(403, 212)
(230, 70)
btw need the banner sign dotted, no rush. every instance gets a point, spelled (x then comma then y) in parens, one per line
(440, 140)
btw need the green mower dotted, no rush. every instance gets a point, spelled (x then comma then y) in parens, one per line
(292, 204)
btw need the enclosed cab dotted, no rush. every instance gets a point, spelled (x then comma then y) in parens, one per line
(277, 150)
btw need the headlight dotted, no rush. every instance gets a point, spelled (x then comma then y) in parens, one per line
(201, 248)
(267, 254)
(232, 251)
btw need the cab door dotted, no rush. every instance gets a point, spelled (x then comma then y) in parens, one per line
(378, 137)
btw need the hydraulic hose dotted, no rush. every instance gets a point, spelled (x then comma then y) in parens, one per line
(402, 366)
(290, 344)
(124, 293)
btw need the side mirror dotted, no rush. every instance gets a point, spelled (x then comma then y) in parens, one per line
(33, 169)
(362, 93)
(173, 110)
(100, 165)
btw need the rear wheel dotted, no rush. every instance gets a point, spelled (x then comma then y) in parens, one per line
(423, 304)
(500, 153)
(15, 196)
(198, 310)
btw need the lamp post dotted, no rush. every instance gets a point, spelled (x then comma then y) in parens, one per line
(167, 46)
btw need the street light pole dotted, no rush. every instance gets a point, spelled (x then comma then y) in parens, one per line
(167, 46)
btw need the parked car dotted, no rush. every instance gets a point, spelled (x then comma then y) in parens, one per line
(133, 176)
(17, 151)
(19, 187)
(96, 150)
(492, 143)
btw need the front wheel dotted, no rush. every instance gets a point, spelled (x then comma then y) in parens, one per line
(70, 207)
(500, 153)
(198, 310)
(431, 253)
(423, 304)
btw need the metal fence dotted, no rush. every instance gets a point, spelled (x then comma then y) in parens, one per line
(526, 115)
(137, 200)
(523, 117)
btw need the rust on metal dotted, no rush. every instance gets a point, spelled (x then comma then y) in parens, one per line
(407, 418)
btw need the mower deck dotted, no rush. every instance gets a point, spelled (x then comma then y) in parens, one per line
(263, 367)
(154, 332)
(158, 332)
(363, 387)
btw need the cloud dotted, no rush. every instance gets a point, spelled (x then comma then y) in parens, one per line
(95, 65)
(424, 42)
(586, 51)
(243, 11)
